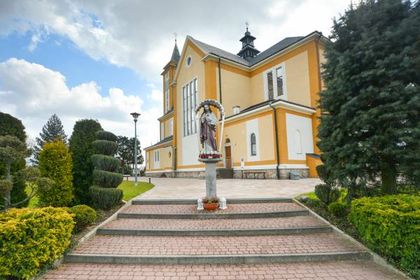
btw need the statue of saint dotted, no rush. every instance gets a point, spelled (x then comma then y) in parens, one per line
(208, 123)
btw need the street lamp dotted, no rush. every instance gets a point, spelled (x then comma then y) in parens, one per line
(135, 116)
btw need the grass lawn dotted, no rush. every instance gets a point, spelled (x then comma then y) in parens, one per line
(127, 187)
(130, 190)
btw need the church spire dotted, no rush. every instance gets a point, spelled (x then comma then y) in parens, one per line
(175, 53)
(248, 50)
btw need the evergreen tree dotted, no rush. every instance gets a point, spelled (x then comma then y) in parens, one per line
(55, 163)
(12, 126)
(52, 131)
(125, 153)
(370, 126)
(84, 133)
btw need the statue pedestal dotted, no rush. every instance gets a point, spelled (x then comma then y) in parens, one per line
(210, 175)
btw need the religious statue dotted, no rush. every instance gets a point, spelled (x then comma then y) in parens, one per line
(208, 123)
(208, 130)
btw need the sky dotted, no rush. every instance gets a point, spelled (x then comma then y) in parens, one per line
(102, 59)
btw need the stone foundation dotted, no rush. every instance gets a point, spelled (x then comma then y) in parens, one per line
(237, 174)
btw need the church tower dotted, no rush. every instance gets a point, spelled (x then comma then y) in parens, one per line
(248, 50)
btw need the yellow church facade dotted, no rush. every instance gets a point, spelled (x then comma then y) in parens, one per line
(270, 101)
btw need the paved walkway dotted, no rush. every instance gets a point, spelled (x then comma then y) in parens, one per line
(229, 188)
(259, 239)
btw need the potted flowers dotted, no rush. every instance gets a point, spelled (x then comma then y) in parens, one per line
(210, 203)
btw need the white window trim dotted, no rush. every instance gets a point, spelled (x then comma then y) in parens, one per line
(274, 73)
(162, 131)
(197, 101)
(186, 61)
(252, 127)
(156, 159)
(171, 127)
(166, 88)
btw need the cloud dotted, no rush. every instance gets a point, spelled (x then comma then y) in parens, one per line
(33, 93)
(138, 34)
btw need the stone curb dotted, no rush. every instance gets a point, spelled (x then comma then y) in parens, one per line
(194, 201)
(375, 257)
(217, 232)
(217, 259)
(215, 216)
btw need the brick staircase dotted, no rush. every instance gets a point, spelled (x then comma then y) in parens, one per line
(252, 239)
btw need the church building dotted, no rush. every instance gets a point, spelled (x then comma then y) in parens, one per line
(270, 102)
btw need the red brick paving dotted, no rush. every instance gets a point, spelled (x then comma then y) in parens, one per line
(186, 224)
(215, 245)
(346, 270)
(233, 208)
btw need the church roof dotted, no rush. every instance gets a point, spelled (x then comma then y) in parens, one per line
(279, 46)
(175, 54)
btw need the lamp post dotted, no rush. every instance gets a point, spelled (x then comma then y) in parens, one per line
(135, 117)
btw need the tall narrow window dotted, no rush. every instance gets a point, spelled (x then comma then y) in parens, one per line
(298, 139)
(167, 92)
(270, 86)
(162, 131)
(253, 144)
(279, 77)
(190, 102)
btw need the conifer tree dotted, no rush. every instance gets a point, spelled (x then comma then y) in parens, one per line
(370, 126)
(52, 131)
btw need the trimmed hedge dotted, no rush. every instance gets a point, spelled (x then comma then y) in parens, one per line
(105, 147)
(390, 225)
(338, 209)
(30, 239)
(106, 135)
(105, 198)
(107, 163)
(83, 216)
(106, 179)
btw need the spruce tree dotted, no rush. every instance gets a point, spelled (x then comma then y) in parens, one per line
(370, 126)
(52, 131)
(84, 133)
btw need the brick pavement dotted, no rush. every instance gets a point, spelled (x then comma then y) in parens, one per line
(343, 270)
(186, 224)
(296, 244)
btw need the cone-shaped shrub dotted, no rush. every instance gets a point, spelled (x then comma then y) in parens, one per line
(105, 147)
(103, 193)
(106, 163)
(106, 135)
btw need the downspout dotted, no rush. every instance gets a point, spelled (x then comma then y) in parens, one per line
(277, 141)
(220, 82)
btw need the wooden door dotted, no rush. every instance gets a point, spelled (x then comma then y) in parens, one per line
(228, 156)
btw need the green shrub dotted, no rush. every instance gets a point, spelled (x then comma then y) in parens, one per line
(105, 147)
(83, 216)
(55, 163)
(338, 209)
(106, 179)
(30, 239)
(107, 163)
(105, 198)
(84, 133)
(106, 135)
(327, 193)
(390, 225)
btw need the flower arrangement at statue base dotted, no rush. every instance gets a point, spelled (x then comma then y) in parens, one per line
(209, 155)
(210, 203)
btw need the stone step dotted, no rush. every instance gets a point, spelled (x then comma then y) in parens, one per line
(310, 271)
(215, 232)
(234, 211)
(194, 201)
(192, 225)
(216, 249)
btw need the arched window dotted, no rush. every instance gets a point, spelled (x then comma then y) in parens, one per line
(298, 139)
(253, 144)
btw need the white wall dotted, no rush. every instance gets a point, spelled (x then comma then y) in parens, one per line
(299, 137)
(190, 149)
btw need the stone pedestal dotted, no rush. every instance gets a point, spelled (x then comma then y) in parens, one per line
(210, 175)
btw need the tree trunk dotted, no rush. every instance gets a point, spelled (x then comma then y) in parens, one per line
(389, 179)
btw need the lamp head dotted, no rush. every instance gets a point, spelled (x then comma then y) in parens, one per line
(135, 115)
